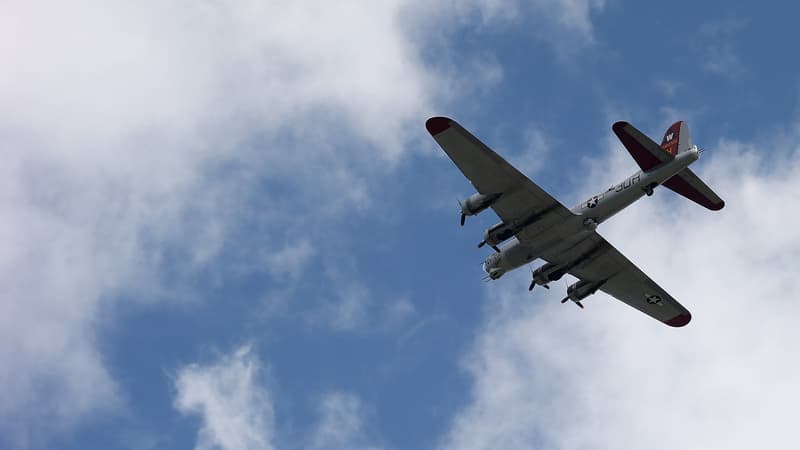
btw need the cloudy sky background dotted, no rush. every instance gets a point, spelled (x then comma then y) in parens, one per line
(224, 226)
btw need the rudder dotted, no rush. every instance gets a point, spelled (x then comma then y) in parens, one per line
(676, 138)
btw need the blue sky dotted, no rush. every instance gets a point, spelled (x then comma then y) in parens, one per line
(226, 226)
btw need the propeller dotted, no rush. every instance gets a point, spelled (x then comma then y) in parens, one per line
(533, 281)
(461, 208)
(576, 302)
(533, 285)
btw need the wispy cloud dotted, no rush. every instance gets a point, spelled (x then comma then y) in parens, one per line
(290, 260)
(341, 424)
(718, 55)
(532, 156)
(236, 409)
(721, 59)
(229, 396)
(352, 307)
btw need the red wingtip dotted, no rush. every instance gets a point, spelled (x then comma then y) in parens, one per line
(679, 321)
(436, 125)
(618, 126)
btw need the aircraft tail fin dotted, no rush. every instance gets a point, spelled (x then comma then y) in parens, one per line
(648, 155)
(677, 138)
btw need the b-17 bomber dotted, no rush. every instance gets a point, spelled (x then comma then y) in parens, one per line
(534, 225)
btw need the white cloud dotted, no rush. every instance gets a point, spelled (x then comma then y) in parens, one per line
(549, 375)
(341, 424)
(137, 132)
(235, 408)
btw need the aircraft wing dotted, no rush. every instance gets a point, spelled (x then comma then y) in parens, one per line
(489, 174)
(600, 261)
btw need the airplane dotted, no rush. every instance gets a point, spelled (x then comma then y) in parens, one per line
(534, 225)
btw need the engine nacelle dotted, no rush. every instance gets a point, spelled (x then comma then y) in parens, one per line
(476, 203)
(502, 231)
(582, 289)
(547, 273)
(497, 234)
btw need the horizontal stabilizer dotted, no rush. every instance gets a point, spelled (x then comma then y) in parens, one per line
(692, 187)
(644, 150)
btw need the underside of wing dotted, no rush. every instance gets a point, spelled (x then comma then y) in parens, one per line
(644, 150)
(490, 174)
(599, 261)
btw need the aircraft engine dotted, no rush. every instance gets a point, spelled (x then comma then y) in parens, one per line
(580, 290)
(545, 274)
(497, 234)
(476, 203)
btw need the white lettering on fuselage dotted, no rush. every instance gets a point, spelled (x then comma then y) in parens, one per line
(595, 199)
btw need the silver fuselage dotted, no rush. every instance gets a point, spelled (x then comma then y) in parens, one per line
(588, 214)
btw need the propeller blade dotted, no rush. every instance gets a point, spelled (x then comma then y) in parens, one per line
(482, 243)
(546, 286)
(565, 300)
(579, 304)
(496, 249)
(533, 285)
(463, 219)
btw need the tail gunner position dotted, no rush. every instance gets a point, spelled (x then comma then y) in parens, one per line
(536, 226)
